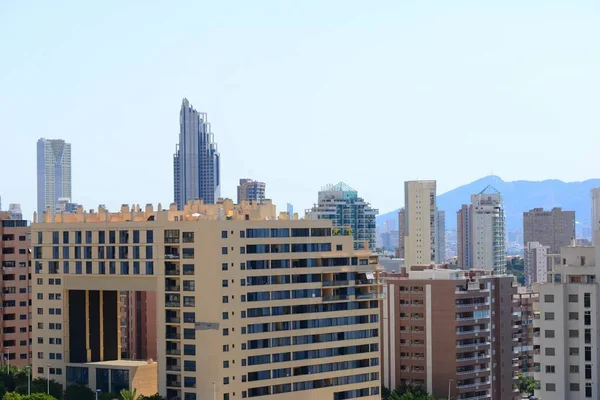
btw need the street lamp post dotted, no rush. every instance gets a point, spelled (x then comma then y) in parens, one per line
(214, 390)
(449, 387)
(8, 361)
(48, 379)
(28, 368)
(97, 391)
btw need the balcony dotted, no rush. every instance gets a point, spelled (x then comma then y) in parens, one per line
(473, 371)
(173, 352)
(172, 256)
(336, 283)
(172, 320)
(173, 304)
(470, 385)
(172, 335)
(339, 297)
(174, 383)
(172, 288)
(174, 368)
(172, 271)
(483, 357)
(370, 296)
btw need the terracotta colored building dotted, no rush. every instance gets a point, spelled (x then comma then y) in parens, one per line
(138, 325)
(525, 305)
(451, 332)
(15, 335)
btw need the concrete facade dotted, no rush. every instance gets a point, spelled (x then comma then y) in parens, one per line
(464, 237)
(488, 231)
(15, 310)
(250, 190)
(401, 221)
(449, 330)
(566, 351)
(555, 228)
(53, 173)
(419, 222)
(595, 214)
(440, 240)
(247, 304)
(525, 306)
(535, 263)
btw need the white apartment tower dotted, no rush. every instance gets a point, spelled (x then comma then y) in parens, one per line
(536, 263)
(487, 220)
(566, 352)
(420, 209)
(53, 173)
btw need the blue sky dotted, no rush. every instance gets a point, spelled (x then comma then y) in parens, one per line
(300, 94)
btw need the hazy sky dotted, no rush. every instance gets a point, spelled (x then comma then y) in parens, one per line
(300, 93)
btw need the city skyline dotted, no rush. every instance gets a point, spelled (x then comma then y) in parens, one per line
(245, 87)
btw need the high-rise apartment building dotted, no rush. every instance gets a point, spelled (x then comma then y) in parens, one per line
(488, 232)
(525, 307)
(196, 162)
(250, 190)
(15, 310)
(419, 225)
(536, 263)
(401, 221)
(566, 329)
(341, 204)
(440, 240)
(290, 210)
(15, 212)
(53, 173)
(451, 330)
(138, 325)
(595, 215)
(555, 228)
(246, 303)
(464, 237)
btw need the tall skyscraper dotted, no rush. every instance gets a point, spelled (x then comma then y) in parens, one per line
(290, 210)
(555, 228)
(341, 204)
(536, 263)
(53, 173)
(14, 211)
(196, 162)
(440, 240)
(595, 194)
(250, 190)
(419, 226)
(487, 217)
(464, 237)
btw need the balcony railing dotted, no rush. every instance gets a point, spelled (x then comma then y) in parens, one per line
(175, 336)
(172, 256)
(338, 297)
(172, 288)
(175, 304)
(468, 385)
(173, 352)
(171, 271)
(176, 368)
(336, 283)
(173, 320)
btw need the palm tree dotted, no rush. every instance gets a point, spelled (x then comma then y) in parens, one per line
(129, 394)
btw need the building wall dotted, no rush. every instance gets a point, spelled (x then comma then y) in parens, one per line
(464, 237)
(442, 326)
(536, 263)
(595, 195)
(526, 303)
(15, 335)
(250, 190)
(211, 295)
(440, 240)
(401, 232)
(488, 234)
(419, 227)
(555, 228)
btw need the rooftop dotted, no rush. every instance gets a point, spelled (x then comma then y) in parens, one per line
(121, 363)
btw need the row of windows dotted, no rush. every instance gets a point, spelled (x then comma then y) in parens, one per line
(124, 267)
(573, 298)
(317, 384)
(76, 237)
(312, 323)
(284, 295)
(303, 263)
(309, 308)
(108, 252)
(285, 248)
(285, 232)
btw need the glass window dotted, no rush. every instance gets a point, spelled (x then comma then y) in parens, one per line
(136, 236)
(149, 268)
(149, 236)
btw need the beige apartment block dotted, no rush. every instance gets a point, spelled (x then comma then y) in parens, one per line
(419, 222)
(451, 332)
(553, 228)
(247, 304)
(15, 310)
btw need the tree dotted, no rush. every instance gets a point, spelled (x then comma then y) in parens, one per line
(39, 385)
(129, 394)
(39, 396)
(79, 392)
(526, 384)
(153, 397)
(12, 396)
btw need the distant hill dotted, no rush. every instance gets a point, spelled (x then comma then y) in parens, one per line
(518, 196)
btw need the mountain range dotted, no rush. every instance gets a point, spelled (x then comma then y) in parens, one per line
(518, 196)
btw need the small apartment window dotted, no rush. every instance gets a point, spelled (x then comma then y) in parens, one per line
(573, 316)
(550, 369)
(573, 298)
(573, 369)
(223, 250)
(588, 371)
(549, 333)
(588, 390)
(550, 387)
(574, 387)
(549, 316)
(225, 299)
(573, 351)
(225, 283)
(548, 298)
(224, 267)
(573, 333)
(225, 364)
(223, 234)
(588, 355)
(587, 300)
(550, 351)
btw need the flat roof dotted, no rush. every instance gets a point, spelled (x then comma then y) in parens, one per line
(119, 363)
